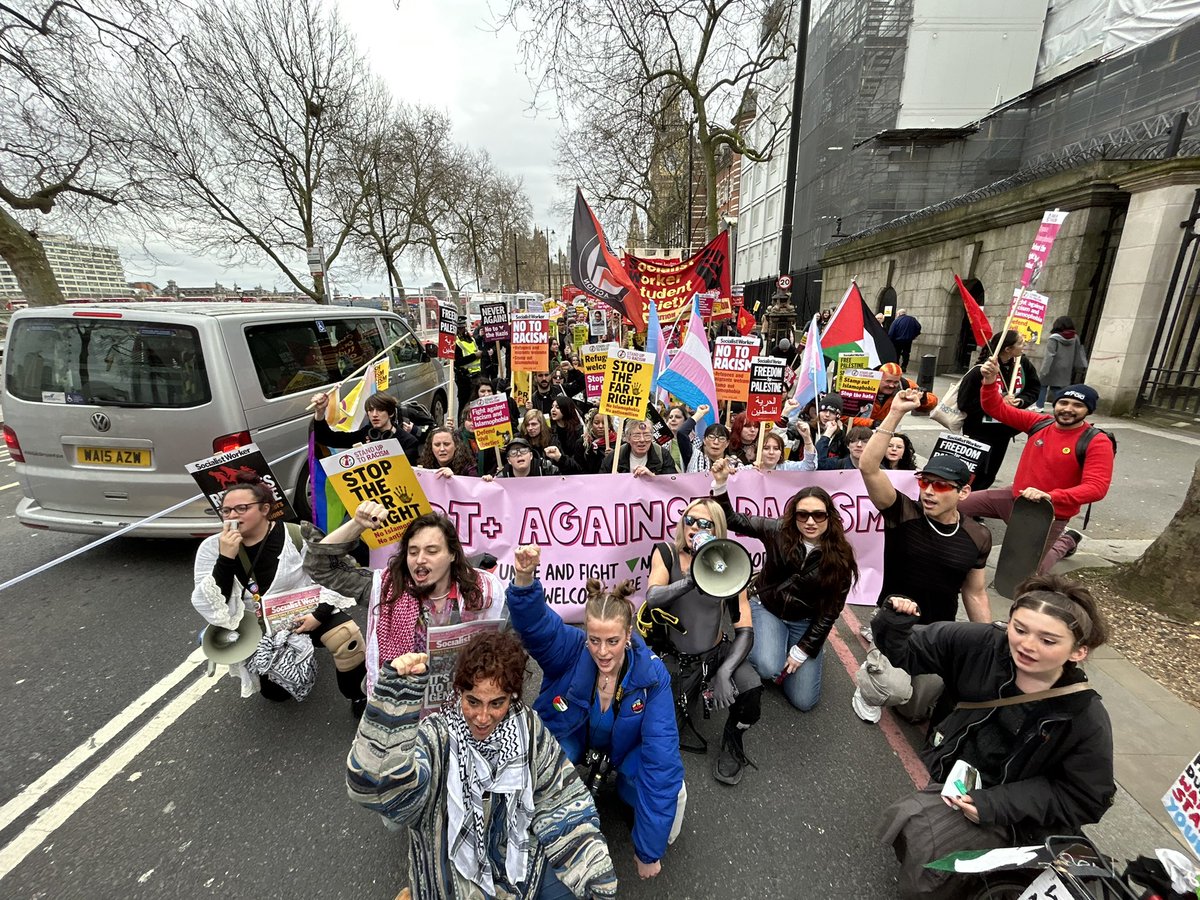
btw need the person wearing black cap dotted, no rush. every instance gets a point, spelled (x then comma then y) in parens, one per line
(1065, 461)
(521, 461)
(932, 552)
(831, 443)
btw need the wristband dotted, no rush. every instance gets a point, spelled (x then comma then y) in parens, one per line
(885, 431)
(797, 655)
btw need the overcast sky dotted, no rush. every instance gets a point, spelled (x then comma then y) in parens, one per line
(441, 53)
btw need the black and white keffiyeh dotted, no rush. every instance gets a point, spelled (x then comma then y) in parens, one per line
(498, 764)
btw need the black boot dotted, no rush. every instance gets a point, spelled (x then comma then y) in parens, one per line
(358, 706)
(732, 759)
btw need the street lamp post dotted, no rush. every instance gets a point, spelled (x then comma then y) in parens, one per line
(549, 290)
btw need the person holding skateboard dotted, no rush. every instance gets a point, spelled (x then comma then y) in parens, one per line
(1052, 467)
(932, 552)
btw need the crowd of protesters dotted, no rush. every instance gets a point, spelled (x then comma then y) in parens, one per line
(618, 695)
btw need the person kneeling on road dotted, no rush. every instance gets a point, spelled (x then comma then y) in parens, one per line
(1027, 750)
(608, 700)
(253, 555)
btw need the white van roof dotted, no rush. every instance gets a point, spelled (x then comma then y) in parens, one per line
(215, 309)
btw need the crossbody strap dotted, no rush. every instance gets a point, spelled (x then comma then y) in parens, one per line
(1028, 698)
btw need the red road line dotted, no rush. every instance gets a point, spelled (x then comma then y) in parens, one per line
(887, 724)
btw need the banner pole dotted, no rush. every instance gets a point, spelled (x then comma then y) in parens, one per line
(499, 461)
(1012, 310)
(728, 413)
(1012, 382)
(607, 436)
(376, 358)
(616, 451)
(762, 439)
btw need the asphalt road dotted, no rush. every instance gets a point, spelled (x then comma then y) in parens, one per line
(195, 792)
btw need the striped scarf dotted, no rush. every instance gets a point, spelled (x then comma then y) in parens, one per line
(499, 764)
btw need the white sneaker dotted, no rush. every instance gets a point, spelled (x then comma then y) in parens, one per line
(864, 710)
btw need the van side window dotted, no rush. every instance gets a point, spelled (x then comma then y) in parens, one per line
(107, 362)
(409, 350)
(290, 357)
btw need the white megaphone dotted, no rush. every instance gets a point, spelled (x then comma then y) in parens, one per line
(229, 646)
(720, 568)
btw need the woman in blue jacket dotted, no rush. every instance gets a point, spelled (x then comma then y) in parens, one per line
(606, 697)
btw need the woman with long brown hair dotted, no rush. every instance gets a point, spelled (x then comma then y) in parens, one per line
(534, 429)
(446, 452)
(808, 570)
(427, 582)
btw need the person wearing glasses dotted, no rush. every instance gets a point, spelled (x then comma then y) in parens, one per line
(252, 556)
(806, 575)
(707, 665)
(932, 553)
(714, 446)
(856, 441)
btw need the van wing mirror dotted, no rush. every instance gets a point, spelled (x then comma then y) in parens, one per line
(431, 350)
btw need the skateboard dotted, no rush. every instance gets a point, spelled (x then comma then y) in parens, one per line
(1024, 543)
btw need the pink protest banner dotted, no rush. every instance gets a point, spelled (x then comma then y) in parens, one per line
(1042, 242)
(605, 526)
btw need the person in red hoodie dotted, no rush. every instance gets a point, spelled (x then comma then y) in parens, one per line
(1049, 468)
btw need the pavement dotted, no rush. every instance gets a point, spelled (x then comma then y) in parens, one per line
(1155, 733)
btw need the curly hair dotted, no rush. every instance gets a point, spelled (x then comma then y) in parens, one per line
(461, 572)
(459, 462)
(495, 656)
(603, 604)
(1068, 601)
(839, 569)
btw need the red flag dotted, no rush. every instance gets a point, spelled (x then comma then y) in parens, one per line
(745, 321)
(596, 271)
(980, 326)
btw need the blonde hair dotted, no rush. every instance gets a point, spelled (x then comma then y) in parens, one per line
(604, 605)
(713, 511)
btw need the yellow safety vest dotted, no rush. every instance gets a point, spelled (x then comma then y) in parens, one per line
(468, 348)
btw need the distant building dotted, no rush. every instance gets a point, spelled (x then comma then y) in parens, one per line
(82, 270)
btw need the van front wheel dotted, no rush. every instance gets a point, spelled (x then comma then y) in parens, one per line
(438, 412)
(302, 498)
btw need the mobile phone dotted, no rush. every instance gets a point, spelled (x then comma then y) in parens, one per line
(963, 779)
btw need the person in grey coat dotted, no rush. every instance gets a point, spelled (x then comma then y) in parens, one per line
(1064, 354)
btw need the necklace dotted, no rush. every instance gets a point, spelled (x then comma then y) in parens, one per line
(604, 687)
(945, 534)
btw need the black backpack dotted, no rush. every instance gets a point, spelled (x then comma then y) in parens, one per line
(1081, 448)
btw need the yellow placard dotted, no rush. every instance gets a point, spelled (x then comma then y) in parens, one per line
(520, 388)
(380, 472)
(579, 335)
(382, 369)
(847, 361)
(626, 389)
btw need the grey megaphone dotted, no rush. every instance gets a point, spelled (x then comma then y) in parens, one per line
(229, 646)
(721, 568)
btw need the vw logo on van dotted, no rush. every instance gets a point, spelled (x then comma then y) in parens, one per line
(101, 422)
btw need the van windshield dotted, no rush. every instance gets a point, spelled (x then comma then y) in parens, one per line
(103, 362)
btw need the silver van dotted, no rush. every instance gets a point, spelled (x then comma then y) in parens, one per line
(105, 403)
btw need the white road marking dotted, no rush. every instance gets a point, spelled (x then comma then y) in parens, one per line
(54, 816)
(5, 487)
(73, 760)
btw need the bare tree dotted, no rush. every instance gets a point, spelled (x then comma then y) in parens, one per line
(614, 56)
(64, 147)
(253, 136)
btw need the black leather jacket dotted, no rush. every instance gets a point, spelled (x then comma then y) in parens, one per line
(784, 592)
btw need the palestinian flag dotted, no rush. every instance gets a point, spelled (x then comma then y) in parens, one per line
(853, 329)
(596, 271)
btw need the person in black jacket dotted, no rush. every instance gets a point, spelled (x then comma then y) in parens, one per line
(808, 570)
(639, 454)
(381, 425)
(522, 461)
(1046, 765)
(1020, 392)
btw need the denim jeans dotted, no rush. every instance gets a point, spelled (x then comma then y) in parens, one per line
(773, 637)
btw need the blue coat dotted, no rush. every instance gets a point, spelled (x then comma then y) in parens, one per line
(645, 740)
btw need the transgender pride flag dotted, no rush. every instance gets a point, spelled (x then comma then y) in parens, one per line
(690, 376)
(810, 376)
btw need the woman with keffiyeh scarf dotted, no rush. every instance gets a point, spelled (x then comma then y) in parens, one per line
(494, 807)
(428, 582)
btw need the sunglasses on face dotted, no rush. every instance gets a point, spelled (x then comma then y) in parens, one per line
(817, 515)
(939, 487)
(702, 524)
(239, 510)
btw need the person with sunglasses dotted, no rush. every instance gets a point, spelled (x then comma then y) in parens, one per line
(932, 553)
(807, 573)
(707, 665)
(253, 555)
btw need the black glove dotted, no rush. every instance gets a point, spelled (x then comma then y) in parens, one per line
(662, 594)
(724, 689)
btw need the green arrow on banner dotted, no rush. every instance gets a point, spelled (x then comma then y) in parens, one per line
(633, 563)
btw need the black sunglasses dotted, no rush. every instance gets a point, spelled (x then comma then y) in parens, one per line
(702, 524)
(817, 515)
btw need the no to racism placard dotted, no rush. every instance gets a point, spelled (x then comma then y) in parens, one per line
(380, 472)
(490, 420)
(732, 358)
(494, 319)
(627, 377)
(530, 342)
(593, 359)
(766, 389)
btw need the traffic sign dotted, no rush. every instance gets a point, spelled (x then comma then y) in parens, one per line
(785, 282)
